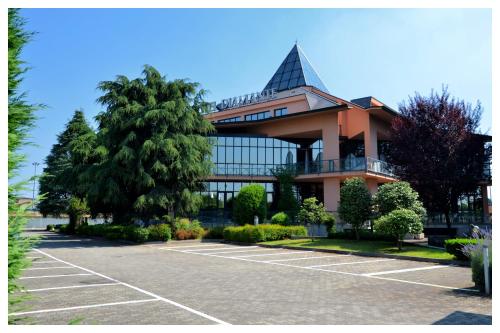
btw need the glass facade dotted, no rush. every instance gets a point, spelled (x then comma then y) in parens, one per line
(251, 155)
(229, 120)
(258, 115)
(280, 112)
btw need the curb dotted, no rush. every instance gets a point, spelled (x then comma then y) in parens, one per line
(363, 254)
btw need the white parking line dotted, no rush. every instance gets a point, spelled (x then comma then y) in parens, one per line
(38, 268)
(71, 287)
(44, 262)
(180, 247)
(407, 270)
(305, 258)
(199, 313)
(51, 276)
(220, 248)
(267, 254)
(338, 272)
(240, 251)
(351, 263)
(83, 307)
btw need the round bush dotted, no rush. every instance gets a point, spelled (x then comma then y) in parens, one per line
(250, 202)
(398, 223)
(280, 218)
(398, 195)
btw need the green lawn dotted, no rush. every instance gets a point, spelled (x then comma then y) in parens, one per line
(366, 246)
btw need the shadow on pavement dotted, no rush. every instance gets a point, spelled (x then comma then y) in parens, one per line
(464, 318)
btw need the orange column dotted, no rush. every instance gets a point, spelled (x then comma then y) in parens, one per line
(330, 133)
(331, 193)
(486, 208)
(372, 186)
(370, 137)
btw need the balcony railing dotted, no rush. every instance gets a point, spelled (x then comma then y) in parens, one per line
(325, 166)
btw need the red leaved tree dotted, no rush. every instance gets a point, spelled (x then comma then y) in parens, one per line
(436, 149)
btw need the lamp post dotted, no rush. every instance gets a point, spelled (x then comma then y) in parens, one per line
(35, 164)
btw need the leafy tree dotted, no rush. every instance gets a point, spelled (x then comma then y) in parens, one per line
(355, 203)
(58, 182)
(398, 223)
(398, 195)
(250, 202)
(312, 212)
(21, 119)
(436, 150)
(287, 201)
(151, 149)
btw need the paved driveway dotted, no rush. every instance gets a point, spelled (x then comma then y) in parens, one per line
(98, 282)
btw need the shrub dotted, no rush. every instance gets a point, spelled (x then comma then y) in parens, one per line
(280, 218)
(137, 234)
(312, 212)
(113, 232)
(160, 232)
(329, 221)
(185, 229)
(398, 223)
(214, 233)
(64, 228)
(475, 253)
(398, 195)
(456, 247)
(250, 202)
(355, 203)
(50, 227)
(262, 233)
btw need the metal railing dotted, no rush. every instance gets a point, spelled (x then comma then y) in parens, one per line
(317, 167)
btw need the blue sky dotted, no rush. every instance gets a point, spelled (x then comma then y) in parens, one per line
(388, 54)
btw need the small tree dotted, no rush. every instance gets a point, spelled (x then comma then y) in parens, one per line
(355, 203)
(398, 195)
(398, 223)
(312, 212)
(287, 201)
(77, 208)
(250, 202)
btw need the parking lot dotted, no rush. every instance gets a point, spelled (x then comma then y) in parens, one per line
(93, 281)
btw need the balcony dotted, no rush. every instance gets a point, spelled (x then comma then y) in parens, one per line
(325, 166)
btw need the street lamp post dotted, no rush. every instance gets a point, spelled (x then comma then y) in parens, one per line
(35, 164)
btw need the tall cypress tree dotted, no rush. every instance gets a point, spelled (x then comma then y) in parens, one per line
(59, 179)
(20, 121)
(152, 148)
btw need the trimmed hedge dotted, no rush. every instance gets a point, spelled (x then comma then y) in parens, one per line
(262, 233)
(456, 245)
(250, 201)
(214, 233)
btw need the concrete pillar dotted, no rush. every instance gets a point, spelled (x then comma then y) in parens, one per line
(484, 195)
(372, 186)
(331, 193)
(330, 133)
(370, 137)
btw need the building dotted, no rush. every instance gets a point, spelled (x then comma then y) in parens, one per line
(295, 121)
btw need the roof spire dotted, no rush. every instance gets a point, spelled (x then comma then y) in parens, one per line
(295, 71)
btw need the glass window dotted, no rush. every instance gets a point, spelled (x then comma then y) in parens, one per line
(253, 154)
(245, 141)
(237, 141)
(248, 117)
(253, 142)
(260, 115)
(229, 154)
(262, 155)
(245, 153)
(237, 154)
(269, 142)
(269, 155)
(261, 142)
(221, 154)
(277, 155)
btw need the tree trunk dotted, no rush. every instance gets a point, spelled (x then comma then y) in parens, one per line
(448, 220)
(356, 232)
(400, 244)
